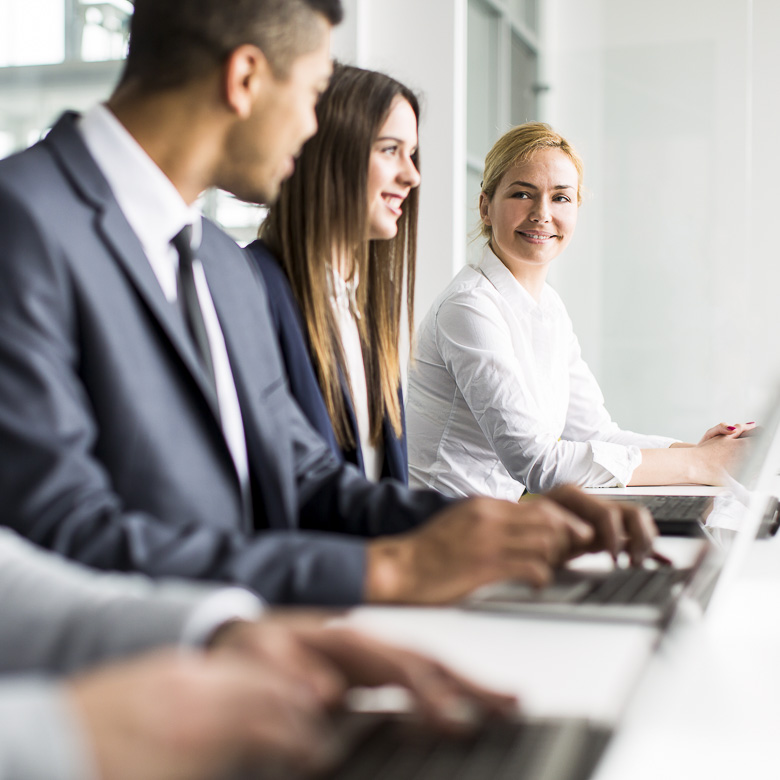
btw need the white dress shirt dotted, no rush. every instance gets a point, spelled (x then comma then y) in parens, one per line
(342, 300)
(156, 213)
(501, 400)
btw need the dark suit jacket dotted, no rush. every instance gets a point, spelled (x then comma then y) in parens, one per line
(290, 331)
(110, 450)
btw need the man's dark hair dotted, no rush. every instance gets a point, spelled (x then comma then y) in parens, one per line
(175, 41)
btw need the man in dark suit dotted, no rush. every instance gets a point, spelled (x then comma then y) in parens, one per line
(145, 423)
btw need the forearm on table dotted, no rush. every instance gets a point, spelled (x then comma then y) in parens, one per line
(667, 466)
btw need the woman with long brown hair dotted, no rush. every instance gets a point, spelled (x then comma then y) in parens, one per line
(337, 253)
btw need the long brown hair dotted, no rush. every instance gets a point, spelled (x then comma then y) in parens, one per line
(322, 212)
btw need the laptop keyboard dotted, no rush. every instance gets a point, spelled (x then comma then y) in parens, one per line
(673, 507)
(617, 587)
(635, 586)
(565, 749)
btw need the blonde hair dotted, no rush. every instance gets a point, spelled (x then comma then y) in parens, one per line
(516, 146)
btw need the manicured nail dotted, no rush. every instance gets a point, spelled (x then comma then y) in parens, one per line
(732, 427)
(752, 422)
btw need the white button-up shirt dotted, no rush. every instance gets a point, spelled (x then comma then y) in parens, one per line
(501, 400)
(342, 300)
(156, 212)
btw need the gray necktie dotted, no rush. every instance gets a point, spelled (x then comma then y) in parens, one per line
(189, 304)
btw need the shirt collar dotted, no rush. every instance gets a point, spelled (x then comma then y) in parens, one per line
(501, 278)
(343, 293)
(148, 199)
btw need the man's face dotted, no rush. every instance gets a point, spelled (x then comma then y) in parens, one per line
(261, 149)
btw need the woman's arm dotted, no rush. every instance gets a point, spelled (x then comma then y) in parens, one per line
(664, 461)
(483, 351)
(719, 451)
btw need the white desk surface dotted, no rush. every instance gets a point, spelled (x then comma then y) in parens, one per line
(554, 667)
(705, 704)
(659, 490)
(709, 703)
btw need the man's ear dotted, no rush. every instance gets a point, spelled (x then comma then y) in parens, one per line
(246, 75)
(484, 202)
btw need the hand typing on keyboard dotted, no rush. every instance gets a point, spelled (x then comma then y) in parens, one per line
(619, 527)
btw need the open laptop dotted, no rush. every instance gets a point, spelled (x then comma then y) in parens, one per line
(595, 589)
(675, 514)
(678, 514)
(394, 748)
(650, 593)
(384, 746)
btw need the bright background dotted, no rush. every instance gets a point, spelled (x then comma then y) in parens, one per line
(672, 277)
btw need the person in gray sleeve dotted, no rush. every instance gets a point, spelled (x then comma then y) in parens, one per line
(258, 695)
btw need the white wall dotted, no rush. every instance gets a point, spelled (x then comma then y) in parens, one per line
(673, 275)
(761, 293)
(423, 44)
(659, 278)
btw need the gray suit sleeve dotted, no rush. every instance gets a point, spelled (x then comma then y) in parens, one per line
(60, 616)
(40, 737)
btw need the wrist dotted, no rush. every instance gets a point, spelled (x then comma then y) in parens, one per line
(697, 471)
(229, 634)
(387, 571)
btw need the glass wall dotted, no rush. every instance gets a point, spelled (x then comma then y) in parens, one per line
(55, 54)
(66, 54)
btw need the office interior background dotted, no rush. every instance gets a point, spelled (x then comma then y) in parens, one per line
(673, 277)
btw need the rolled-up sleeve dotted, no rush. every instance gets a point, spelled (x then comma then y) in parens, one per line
(477, 346)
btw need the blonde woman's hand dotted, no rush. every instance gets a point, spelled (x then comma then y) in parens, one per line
(734, 430)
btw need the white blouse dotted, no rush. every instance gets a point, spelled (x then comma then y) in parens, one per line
(501, 400)
(345, 310)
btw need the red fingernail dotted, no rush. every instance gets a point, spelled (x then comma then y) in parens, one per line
(732, 427)
(752, 422)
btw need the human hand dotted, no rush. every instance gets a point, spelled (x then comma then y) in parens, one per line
(276, 641)
(719, 455)
(734, 431)
(170, 716)
(618, 526)
(470, 544)
(303, 643)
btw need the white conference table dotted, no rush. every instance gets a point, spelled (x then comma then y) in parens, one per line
(554, 667)
(702, 700)
(708, 705)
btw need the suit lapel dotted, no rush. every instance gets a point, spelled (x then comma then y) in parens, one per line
(242, 327)
(124, 245)
(358, 451)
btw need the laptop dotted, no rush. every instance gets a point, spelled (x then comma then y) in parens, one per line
(553, 749)
(685, 515)
(383, 746)
(680, 514)
(395, 747)
(674, 514)
(591, 589)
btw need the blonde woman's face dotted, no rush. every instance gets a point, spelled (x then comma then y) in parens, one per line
(392, 173)
(533, 212)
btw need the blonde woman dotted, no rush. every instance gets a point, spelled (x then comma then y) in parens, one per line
(500, 399)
